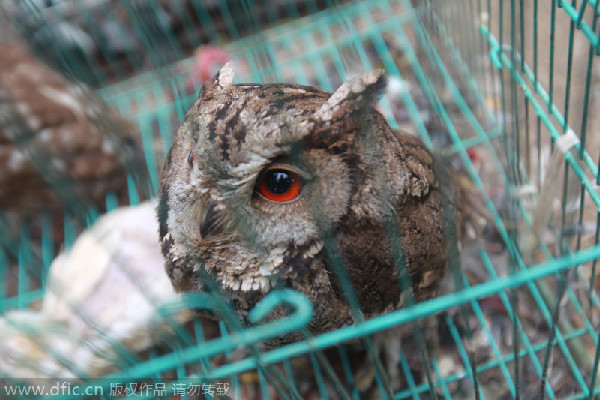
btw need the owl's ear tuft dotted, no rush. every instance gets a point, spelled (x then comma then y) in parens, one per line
(223, 78)
(358, 92)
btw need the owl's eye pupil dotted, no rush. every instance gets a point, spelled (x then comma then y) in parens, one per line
(280, 185)
(278, 182)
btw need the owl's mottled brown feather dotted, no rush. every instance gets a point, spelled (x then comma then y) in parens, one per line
(366, 187)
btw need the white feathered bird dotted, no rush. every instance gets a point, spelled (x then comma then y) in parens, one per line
(103, 293)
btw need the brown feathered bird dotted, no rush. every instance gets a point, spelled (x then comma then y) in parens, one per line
(61, 146)
(281, 185)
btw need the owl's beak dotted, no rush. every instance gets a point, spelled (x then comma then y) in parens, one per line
(209, 219)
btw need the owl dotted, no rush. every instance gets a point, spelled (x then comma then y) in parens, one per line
(60, 144)
(273, 186)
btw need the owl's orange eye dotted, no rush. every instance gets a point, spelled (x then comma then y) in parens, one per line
(191, 159)
(280, 185)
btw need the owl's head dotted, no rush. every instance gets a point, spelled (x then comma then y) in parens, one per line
(257, 173)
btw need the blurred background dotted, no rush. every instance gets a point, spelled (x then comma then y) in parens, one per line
(92, 91)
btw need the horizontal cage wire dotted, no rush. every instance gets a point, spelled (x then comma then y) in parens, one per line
(503, 92)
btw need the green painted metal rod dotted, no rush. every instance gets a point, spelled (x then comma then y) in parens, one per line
(500, 59)
(408, 314)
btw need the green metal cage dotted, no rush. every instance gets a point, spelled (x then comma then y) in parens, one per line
(512, 83)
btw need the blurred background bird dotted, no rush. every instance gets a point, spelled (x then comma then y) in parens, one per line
(107, 301)
(61, 146)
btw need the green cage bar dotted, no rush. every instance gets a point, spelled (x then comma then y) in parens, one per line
(512, 83)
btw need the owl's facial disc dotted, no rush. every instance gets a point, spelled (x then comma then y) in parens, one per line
(208, 220)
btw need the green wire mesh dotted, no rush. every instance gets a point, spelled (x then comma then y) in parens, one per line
(511, 81)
